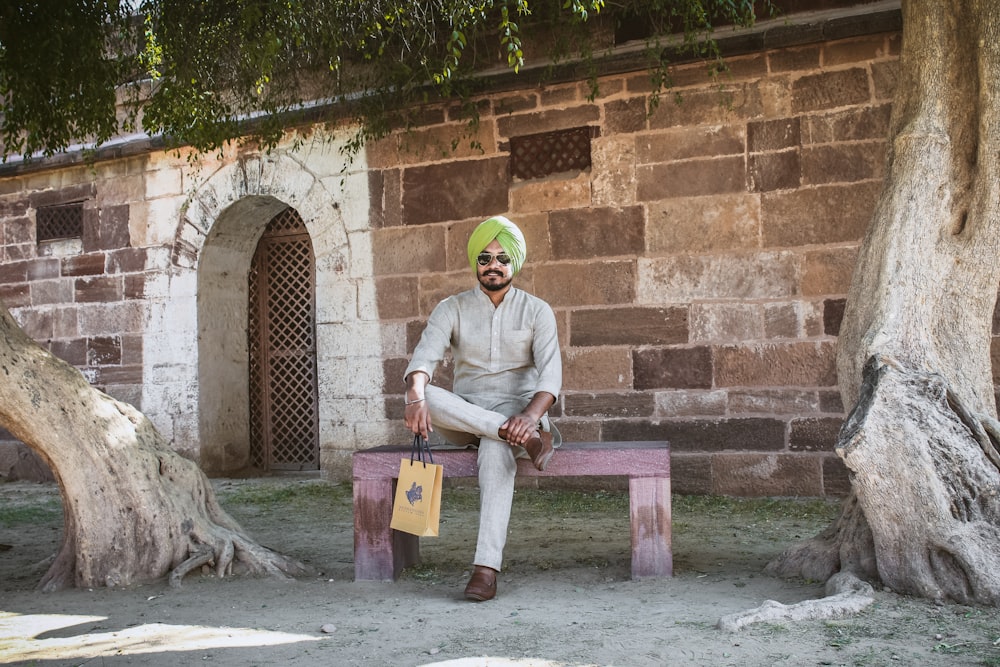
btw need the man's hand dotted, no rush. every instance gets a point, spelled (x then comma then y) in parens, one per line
(520, 427)
(416, 415)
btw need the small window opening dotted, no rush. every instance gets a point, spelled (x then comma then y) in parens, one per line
(64, 221)
(539, 155)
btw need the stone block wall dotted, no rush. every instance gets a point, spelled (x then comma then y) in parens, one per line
(698, 268)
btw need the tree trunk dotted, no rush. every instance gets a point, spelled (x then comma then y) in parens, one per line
(134, 509)
(914, 346)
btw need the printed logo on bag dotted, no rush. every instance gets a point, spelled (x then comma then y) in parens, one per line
(415, 493)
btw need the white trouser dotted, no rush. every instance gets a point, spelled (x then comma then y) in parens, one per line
(463, 423)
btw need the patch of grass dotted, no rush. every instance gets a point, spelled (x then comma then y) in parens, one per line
(283, 493)
(758, 509)
(48, 511)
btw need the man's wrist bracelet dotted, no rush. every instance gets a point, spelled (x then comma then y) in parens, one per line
(406, 402)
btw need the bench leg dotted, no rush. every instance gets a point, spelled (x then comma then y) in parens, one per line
(649, 517)
(380, 553)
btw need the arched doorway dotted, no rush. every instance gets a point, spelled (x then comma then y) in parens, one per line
(281, 342)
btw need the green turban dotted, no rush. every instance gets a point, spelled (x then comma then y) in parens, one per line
(506, 234)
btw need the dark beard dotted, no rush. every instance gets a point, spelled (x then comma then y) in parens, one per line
(494, 287)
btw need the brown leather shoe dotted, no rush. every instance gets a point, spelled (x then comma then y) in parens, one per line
(482, 584)
(540, 449)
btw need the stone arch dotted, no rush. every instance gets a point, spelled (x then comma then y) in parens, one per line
(222, 222)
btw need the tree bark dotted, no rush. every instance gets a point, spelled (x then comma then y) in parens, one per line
(914, 345)
(134, 509)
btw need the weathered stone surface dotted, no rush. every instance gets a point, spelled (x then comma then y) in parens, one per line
(826, 214)
(843, 163)
(560, 191)
(781, 320)
(772, 402)
(726, 322)
(776, 365)
(691, 178)
(625, 116)
(613, 171)
(46, 292)
(434, 288)
(703, 435)
(765, 275)
(833, 315)
(854, 124)
(84, 265)
(677, 368)
(408, 250)
(690, 403)
(97, 289)
(836, 477)
(397, 297)
(71, 351)
(609, 405)
(830, 401)
(766, 474)
(690, 474)
(629, 326)
(548, 120)
(596, 368)
(856, 50)
(703, 224)
(826, 90)
(817, 434)
(104, 350)
(684, 143)
(774, 171)
(794, 59)
(597, 232)
(828, 271)
(885, 76)
(455, 190)
(711, 105)
(585, 284)
(774, 135)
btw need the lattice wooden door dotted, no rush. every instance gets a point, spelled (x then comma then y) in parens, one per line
(284, 413)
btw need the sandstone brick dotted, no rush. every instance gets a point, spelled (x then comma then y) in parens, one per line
(580, 430)
(127, 260)
(794, 59)
(597, 232)
(772, 402)
(46, 292)
(703, 224)
(843, 163)
(629, 326)
(690, 142)
(774, 135)
(107, 229)
(628, 115)
(691, 178)
(111, 318)
(776, 365)
(134, 286)
(677, 368)
(118, 375)
(774, 171)
(591, 369)
(90, 264)
(455, 190)
(606, 284)
(613, 171)
(17, 253)
(514, 103)
(609, 405)
(435, 288)
(64, 323)
(14, 272)
(690, 403)
(16, 295)
(814, 434)
(812, 318)
(548, 120)
(767, 475)
(833, 315)
(828, 90)
(37, 323)
(568, 190)
(132, 347)
(854, 124)
(856, 50)
(712, 105)
(830, 401)
(393, 383)
(764, 275)
(396, 298)
(97, 290)
(828, 271)
(444, 142)
(691, 474)
(836, 478)
(408, 250)
(826, 214)
(63, 195)
(703, 435)
(781, 320)
(885, 76)
(995, 358)
(73, 352)
(18, 230)
(104, 350)
(725, 322)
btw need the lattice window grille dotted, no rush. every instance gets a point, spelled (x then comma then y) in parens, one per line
(64, 221)
(539, 155)
(284, 413)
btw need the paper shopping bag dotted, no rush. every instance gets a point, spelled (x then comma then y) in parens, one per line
(417, 505)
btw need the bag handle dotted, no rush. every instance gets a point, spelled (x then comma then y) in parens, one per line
(418, 449)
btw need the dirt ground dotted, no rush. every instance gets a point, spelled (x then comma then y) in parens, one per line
(565, 596)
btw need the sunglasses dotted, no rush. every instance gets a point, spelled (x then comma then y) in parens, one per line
(485, 258)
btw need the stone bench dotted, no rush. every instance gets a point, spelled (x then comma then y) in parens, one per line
(381, 553)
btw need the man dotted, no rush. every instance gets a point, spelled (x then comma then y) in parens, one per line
(508, 373)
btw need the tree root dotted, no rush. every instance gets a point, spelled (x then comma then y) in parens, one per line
(200, 556)
(845, 594)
